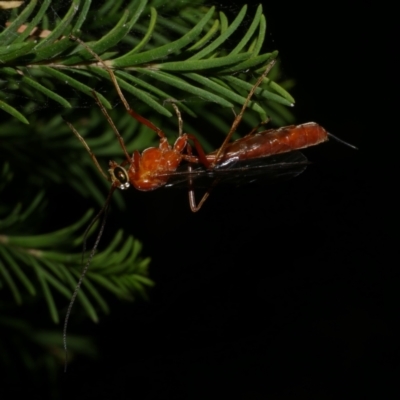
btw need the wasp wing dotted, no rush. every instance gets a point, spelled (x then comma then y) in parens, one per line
(235, 172)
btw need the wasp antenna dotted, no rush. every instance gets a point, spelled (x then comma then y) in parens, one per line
(342, 141)
(85, 268)
(95, 219)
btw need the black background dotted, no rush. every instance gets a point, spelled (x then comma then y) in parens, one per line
(282, 291)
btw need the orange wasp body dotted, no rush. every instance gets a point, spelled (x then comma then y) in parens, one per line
(155, 166)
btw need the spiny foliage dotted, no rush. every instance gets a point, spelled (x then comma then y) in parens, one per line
(160, 51)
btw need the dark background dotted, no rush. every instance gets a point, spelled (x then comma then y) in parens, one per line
(272, 291)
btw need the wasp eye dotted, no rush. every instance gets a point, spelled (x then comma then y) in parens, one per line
(120, 176)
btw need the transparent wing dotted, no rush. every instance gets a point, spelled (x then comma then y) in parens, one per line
(234, 172)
